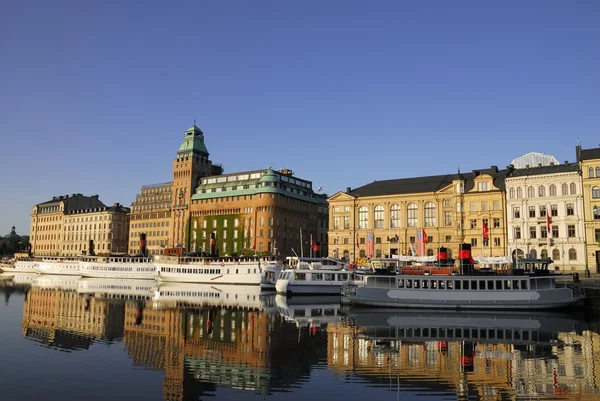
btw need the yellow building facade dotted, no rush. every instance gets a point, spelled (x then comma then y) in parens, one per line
(151, 214)
(589, 160)
(451, 209)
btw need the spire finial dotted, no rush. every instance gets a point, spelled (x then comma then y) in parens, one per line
(194, 121)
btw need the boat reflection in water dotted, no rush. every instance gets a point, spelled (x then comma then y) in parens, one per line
(314, 312)
(491, 355)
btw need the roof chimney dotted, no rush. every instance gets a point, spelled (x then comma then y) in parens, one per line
(348, 189)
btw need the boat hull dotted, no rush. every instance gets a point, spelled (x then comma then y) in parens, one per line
(306, 289)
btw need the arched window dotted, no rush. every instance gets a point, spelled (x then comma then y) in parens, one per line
(542, 191)
(572, 254)
(519, 192)
(512, 193)
(430, 252)
(429, 214)
(395, 216)
(591, 172)
(596, 192)
(552, 190)
(544, 254)
(555, 254)
(363, 217)
(565, 189)
(412, 218)
(379, 218)
(533, 254)
(378, 253)
(346, 254)
(530, 192)
(573, 188)
(597, 172)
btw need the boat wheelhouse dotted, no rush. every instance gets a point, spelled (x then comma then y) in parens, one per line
(528, 286)
(247, 271)
(299, 281)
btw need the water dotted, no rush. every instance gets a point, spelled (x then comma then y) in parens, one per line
(62, 341)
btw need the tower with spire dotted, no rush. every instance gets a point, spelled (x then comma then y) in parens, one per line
(189, 166)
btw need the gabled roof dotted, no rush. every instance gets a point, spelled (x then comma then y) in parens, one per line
(560, 168)
(432, 183)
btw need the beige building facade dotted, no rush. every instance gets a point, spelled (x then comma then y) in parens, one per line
(66, 224)
(451, 209)
(151, 214)
(541, 196)
(589, 160)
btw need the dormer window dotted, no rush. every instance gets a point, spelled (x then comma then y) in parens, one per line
(483, 186)
(460, 188)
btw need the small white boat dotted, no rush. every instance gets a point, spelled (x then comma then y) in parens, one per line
(313, 276)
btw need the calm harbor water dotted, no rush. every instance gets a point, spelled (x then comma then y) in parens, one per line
(66, 338)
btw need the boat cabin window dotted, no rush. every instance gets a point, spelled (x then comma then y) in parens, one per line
(457, 284)
(490, 285)
(300, 276)
(450, 284)
(417, 284)
(400, 283)
(408, 283)
(523, 284)
(507, 285)
(498, 284)
(473, 284)
(317, 277)
(342, 276)
(515, 284)
(442, 285)
(425, 283)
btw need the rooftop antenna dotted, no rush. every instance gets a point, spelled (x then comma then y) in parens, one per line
(194, 121)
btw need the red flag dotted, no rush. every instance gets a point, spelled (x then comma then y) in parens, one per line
(425, 240)
(485, 231)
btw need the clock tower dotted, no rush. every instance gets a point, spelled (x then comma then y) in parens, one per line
(189, 166)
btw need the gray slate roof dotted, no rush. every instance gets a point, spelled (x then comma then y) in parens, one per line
(427, 184)
(588, 154)
(559, 168)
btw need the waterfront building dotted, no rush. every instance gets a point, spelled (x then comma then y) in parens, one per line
(546, 211)
(260, 211)
(66, 224)
(589, 161)
(161, 211)
(387, 217)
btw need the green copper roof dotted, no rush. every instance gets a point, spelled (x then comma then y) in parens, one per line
(193, 142)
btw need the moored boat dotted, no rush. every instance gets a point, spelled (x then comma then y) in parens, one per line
(313, 276)
(117, 266)
(530, 286)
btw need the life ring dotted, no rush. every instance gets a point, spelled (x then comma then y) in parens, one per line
(222, 264)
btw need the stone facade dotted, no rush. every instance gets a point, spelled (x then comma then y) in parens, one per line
(589, 160)
(66, 224)
(151, 214)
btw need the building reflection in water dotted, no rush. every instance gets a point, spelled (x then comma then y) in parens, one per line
(481, 356)
(203, 347)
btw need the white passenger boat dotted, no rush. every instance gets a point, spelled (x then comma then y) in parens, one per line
(245, 271)
(64, 266)
(171, 294)
(531, 286)
(120, 288)
(313, 276)
(124, 267)
(21, 266)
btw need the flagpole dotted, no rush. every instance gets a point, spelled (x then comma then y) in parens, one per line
(301, 245)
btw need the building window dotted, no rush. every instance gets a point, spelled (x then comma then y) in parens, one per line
(542, 211)
(532, 232)
(483, 186)
(541, 191)
(543, 232)
(473, 223)
(429, 214)
(530, 192)
(346, 222)
(512, 193)
(484, 206)
(591, 172)
(336, 223)
(555, 254)
(447, 218)
(496, 241)
(596, 213)
(531, 211)
(363, 217)
(597, 172)
(517, 232)
(496, 222)
(565, 189)
(573, 189)
(572, 254)
(496, 205)
(519, 192)
(473, 207)
(516, 212)
(544, 254)
(553, 210)
(412, 220)
(473, 241)
(570, 209)
(378, 240)
(449, 238)
(552, 190)
(571, 230)
(597, 234)
(554, 231)
(596, 192)
(379, 218)
(395, 216)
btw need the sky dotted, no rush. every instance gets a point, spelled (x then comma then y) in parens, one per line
(95, 97)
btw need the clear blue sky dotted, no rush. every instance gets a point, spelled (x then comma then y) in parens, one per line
(95, 96)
